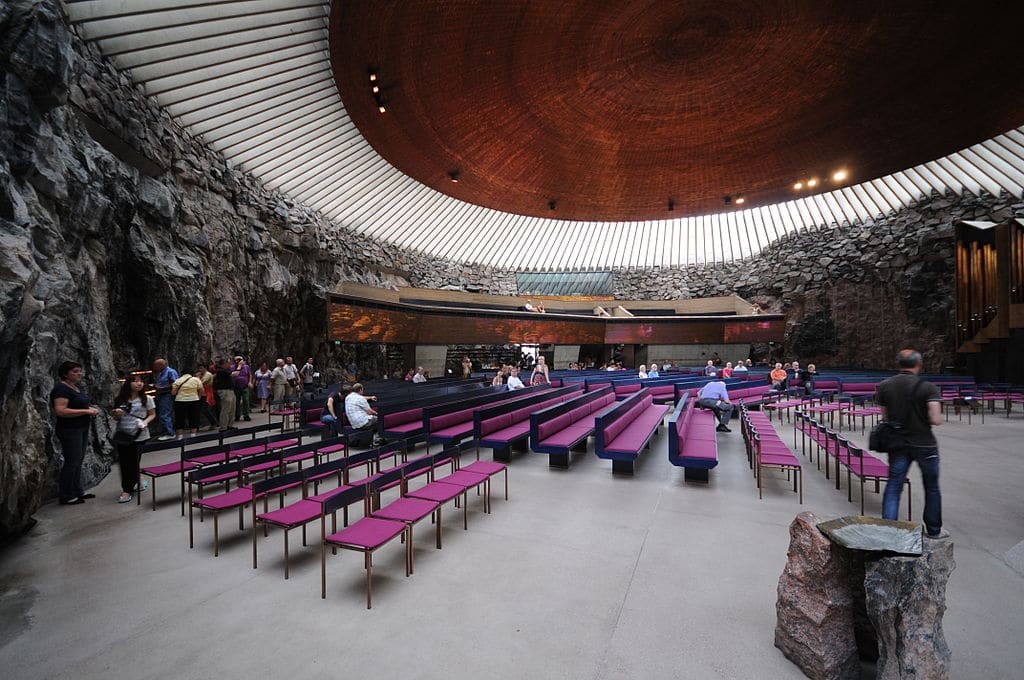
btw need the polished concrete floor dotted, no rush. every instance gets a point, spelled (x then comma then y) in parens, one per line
(579, 575)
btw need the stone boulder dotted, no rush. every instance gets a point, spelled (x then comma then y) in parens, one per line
(815, 625)
(906, 599)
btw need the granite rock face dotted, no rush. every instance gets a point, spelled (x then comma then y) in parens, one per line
(906, 599)
(815, 612)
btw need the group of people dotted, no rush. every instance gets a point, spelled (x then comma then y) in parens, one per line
(508, 375)
(223, 391)
(716, 370)
(786, 375)
(357, 409)
(219, 392)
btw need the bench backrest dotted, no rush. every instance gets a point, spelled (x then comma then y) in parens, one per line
(677, 424)
(506, 414)
(455, 413)
(556, 418)
(611, 424)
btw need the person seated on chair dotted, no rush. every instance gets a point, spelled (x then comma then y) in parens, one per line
(807, 377)
(652, 372)
(333, 406)
(360, 415)
(714, 396)
(778, 377)
(514, 382)
(710, 369)
(740, 370)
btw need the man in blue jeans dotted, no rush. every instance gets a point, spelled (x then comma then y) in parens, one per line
(163, 377)
(916, 405)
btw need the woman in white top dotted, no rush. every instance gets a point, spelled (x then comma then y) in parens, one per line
(540, 373)
(643, 370)
(134, 410)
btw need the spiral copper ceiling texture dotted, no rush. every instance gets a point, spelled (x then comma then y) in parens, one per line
(654, 109)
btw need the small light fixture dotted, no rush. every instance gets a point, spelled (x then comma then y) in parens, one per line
(551, 204)
(454, 176)
(671, 205)
(798, 186)
(813, 182)
(375, 89)
(740, 200)
(373, 77)
(382, 108)
(839, 176)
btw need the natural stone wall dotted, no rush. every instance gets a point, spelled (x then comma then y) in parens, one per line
(853, 294)
(123, 239)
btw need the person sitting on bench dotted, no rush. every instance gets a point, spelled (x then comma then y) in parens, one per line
(714, 396)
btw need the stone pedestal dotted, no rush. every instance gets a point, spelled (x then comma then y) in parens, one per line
(838, 605)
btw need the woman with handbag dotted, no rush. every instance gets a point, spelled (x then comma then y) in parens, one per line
(134, 411)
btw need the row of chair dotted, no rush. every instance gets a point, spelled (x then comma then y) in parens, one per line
(767, 451)
(840, 453)
(379, 523)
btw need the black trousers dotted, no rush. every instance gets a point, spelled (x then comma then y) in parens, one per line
(72, 443)
(128, 456)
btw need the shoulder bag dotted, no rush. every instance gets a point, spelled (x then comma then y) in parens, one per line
(887, 435)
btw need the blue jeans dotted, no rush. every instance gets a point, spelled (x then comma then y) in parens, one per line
(899, 465)
(164, 408)
(723, 412)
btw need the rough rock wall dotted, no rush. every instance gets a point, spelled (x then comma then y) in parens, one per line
(853, 294)
(123, 239)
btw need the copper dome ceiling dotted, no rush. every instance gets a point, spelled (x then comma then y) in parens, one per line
(613, 110)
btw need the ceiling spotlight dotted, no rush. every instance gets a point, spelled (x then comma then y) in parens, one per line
(727, 199)
(373, 77)
(454, 176)
(551, 204)
(671, 205)
(813, 182)
(740, 200)
(839, 176)
(382, 108)
(798, 186)
(375, 89)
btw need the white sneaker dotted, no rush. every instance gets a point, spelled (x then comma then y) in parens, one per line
(165, 438)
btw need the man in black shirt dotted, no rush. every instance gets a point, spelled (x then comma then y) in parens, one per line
(916, 405)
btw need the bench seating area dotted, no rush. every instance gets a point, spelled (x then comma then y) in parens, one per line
(451, 423)
(403, 419)
(559, 429)
(751, 394)
(622, 433)
(501, 427)
(692, 440)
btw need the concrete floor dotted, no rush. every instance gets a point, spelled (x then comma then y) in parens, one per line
(579, 575)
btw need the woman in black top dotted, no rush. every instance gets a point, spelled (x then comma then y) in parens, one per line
(73, 415)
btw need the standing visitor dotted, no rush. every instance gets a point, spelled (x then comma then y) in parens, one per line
(916, 405)
(242, 381)
(163, 377)
(540, 372)
(306, 372)
(278, 382)
(188, 392)
(291, 375)
(134, 410)
(263, 386)
(224, 386)
(209, 398)
(70, 404)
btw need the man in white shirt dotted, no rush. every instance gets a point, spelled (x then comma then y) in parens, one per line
(419, 377)
(291, 374)
(514, 383)
(357, 410)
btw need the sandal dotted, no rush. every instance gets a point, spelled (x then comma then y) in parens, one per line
(124, 498)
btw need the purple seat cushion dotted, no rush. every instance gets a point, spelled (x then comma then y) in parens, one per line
(435, 491)
(407, 509)
(253, 450)
(282, 443)
(231, 499)
(296, 514)
(168, 468)
(485, 467)
(368, 533)
(463, 478)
